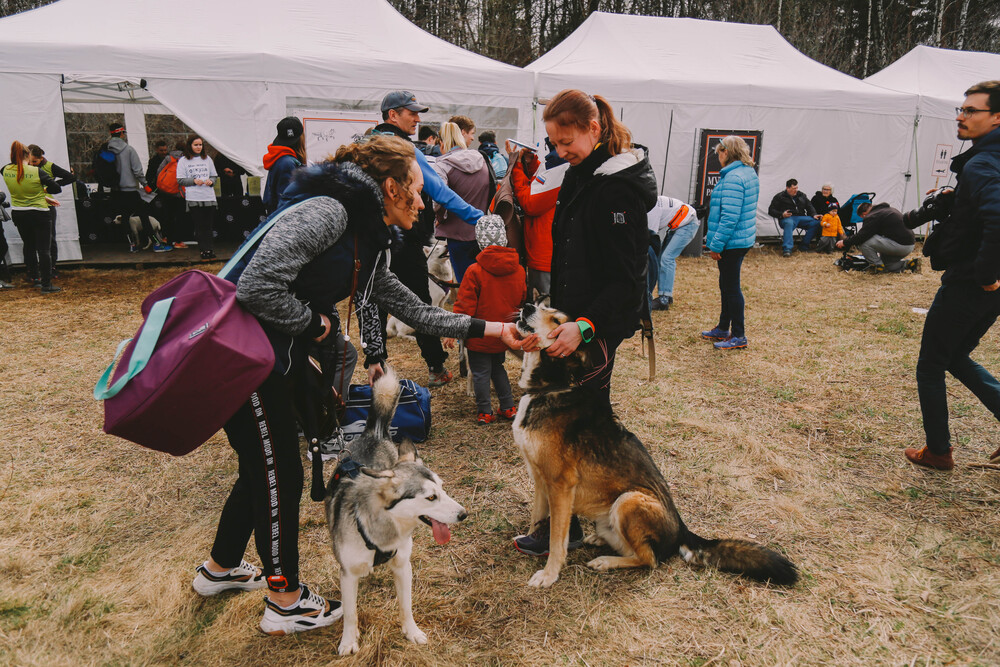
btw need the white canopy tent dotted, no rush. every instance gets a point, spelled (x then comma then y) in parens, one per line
(939, 79)
(669, 77)
(230, 69)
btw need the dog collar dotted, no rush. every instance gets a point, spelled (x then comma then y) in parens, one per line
(380, 556)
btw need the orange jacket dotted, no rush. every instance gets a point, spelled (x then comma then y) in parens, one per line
(831, 225)
(538, 211)
(493, 289)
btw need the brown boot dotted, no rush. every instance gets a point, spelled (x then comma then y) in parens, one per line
(996, 456)
(928, 459)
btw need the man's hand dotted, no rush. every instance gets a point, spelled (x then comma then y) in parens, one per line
(326, 327)
(993, 287)
(786, 214)
(714, 255)
(448, 343)
(840, 245)
(568, 338)
(818, 216)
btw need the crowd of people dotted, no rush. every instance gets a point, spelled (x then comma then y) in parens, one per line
(596, 241)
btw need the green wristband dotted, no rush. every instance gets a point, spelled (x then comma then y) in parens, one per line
(585, 331)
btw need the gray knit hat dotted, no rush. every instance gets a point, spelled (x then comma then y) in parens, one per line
(490, 231)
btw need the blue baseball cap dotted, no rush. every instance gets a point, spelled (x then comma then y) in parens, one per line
(404, 99)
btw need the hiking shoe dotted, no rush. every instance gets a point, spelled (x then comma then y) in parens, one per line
(715, 334)
(50, 289)
(786, 253)
(485, 418)
(180, 245)
(912, 265)
(207, 255)
(243, 577)
(928, 459)
(439, 377)
(509, 413)
(310, 612)
(132, 247)
(733, 343)
(537, 542)
(662, 303)
(6, 285)
(330, 448)
(162, 247)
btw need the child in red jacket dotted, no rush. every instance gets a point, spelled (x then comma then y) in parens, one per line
(494, 289)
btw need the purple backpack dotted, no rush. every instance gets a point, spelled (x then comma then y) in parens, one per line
(196, 359)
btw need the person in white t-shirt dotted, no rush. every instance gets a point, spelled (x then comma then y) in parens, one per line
(674, 223)
(196, 174)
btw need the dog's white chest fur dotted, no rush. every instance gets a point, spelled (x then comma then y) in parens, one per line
(522, 437)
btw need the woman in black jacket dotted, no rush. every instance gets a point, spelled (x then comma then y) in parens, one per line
(328, 245)
(599, 231)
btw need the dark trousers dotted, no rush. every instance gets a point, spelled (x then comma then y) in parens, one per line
(265, 498)
(410, 266)
(128, 203)
(959, 317)
(462, 255)
(35, 228)
(487, 366)
(731, 313)
(602, 358)
(201, 219)
(53, 246)
(4, 249)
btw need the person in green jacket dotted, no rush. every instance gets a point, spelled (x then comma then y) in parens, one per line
(28, 186)
(36, 158)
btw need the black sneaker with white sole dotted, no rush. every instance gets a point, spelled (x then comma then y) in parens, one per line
(310, 612)
(537, 542)
(243, 577)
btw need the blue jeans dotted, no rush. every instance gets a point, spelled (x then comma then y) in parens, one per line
(789, 225)
(462, 255)
(731, 313)
(677, 240)
(959, 317)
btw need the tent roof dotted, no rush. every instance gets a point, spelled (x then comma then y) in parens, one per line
(691, 61)
(357, 43)
(939, 76)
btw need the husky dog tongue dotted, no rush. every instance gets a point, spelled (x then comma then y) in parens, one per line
(442, 533)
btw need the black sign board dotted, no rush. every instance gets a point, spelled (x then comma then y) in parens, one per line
(708, 161)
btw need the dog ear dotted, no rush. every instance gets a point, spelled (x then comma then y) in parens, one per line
(377, 474)
(408, 451)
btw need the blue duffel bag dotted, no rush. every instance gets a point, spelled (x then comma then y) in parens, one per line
(413, 414)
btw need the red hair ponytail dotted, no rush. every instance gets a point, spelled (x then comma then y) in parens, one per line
(576, 108)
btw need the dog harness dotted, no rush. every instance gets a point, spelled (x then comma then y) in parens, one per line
(352, 469)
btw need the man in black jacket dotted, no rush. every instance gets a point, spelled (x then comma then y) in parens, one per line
(792, 209)
(884, 240)
(155, 160)
(968, 301)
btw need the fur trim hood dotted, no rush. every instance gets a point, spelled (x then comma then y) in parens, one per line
(346, 182)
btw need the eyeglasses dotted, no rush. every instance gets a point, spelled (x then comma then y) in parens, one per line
(965, 112)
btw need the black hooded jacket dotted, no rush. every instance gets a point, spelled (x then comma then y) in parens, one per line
(600, 236)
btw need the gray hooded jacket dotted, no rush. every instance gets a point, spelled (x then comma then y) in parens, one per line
(130, 173)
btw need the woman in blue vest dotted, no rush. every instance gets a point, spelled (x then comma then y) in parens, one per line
(732, 230)
(28, 186)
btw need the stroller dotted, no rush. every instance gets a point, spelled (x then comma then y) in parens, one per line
(849, 217)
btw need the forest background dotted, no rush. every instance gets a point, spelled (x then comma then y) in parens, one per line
(857, 37)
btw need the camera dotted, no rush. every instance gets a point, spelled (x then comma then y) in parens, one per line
(936, 206)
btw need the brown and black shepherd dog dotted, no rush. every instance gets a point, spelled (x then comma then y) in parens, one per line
(584, 461)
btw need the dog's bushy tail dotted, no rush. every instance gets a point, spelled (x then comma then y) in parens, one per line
(740, 557)
(385, 395)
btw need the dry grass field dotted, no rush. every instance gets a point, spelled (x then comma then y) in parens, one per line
(796, 442)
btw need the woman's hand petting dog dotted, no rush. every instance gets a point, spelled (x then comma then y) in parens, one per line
(510, 336)
(568, 338)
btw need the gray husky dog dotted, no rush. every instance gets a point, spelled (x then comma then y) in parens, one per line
(375, 499)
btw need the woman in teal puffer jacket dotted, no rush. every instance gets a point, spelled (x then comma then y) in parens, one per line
(732, 230)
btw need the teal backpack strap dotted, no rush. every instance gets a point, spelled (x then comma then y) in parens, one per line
(253, 240)
(141, 353)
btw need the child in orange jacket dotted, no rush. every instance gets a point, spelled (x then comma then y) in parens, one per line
(833, 231)
(493, 288)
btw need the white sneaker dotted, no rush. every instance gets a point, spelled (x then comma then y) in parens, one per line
(243, 577)
(309, 613)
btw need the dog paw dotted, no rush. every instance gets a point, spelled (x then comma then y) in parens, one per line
(594, 540)
(542, 579)
(601, 564)
(348, 646)
(415, 635)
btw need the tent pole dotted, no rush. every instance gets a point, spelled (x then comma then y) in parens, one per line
(666, 154)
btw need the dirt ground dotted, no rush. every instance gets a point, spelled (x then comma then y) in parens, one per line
(795, 442)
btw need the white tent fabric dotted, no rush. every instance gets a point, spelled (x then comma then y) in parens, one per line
(939, 79)
(230, 69)
(669, 77)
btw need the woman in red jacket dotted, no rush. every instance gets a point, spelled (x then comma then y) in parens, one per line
(537, 191)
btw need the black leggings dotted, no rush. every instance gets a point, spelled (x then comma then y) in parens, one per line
(410, 266)
(265, 498)
(731, 313)
(35, 228)
(201, 220)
